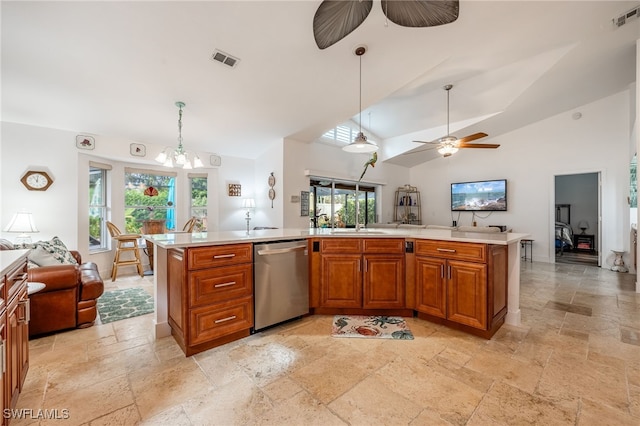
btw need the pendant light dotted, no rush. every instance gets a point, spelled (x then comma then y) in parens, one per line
(179, 156)
(360, 143)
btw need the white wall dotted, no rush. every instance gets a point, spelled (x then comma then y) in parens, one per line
(529, 158)
(330, 161)
(62, 210)
(271, 161)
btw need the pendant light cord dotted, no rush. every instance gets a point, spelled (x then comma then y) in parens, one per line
(360, 116)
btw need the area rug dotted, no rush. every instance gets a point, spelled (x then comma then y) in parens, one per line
(116, 305)
(377, 327)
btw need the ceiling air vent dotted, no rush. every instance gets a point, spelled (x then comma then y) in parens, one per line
(627, 16)
(224, 58)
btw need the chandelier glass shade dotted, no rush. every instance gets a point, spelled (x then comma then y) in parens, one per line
(360, 142)
(179, 157)
(447, 150)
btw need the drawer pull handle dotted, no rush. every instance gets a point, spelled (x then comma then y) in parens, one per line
(222, 256)
(232, 317)
(224, 284)
(20, 278)
(447, 250)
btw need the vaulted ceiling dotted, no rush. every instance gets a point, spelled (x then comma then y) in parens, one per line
(116, 69)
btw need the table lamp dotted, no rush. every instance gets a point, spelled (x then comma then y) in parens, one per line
(583, 225)
(22, 222)
(248, 203)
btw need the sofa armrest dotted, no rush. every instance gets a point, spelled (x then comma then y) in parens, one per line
(76, 256)
(56, 277)
(91, 284)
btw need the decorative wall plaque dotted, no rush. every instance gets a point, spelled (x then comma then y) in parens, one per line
(304, 203)
(235, 190)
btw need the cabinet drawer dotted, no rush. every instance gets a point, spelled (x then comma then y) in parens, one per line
(341, 245)
(231, 254)
(474, 252)
(214, 321)
(218, 284)
(383, 245)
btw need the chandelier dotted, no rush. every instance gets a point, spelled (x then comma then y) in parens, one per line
(179, 157)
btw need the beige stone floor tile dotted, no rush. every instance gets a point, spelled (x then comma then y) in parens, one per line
(469, 377)
(89, 402)
(174, 416)
(301, 409)
(125, 416)
(330, 376)
(170, 384)
(508, 405)
(370, 402)
(634, 401)
(569, 378)
(429, 417)
(518, 373)
(596, 414)
(241, 402)
(453, 400)
(281, 390)
(607, 345)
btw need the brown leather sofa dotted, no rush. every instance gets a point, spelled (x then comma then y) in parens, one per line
(69, 299)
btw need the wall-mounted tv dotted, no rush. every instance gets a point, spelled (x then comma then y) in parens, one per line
(485, 195)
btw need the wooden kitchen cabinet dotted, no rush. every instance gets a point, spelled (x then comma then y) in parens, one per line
(355, 274)
(14, 328)
(462, 284)
(210, 295)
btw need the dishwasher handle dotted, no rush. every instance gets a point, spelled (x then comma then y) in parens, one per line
(268, 252)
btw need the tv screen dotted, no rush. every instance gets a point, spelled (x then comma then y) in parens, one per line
(486, 195)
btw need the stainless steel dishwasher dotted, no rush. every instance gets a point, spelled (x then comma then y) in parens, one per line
(281, 282)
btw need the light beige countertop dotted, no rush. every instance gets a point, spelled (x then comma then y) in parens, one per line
(197, 239)
(10, 258)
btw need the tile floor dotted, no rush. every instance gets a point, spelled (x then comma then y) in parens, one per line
(575, 360)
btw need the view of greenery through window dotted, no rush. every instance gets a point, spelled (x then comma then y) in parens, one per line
(199, 202)
(148, 196)
(344, 204)
(97, 208)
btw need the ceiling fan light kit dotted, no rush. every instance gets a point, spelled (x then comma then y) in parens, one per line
(449, 145)
(360, 143)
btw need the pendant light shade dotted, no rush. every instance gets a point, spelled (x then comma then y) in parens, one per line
(360, 143)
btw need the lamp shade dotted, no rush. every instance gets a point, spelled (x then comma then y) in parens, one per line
(248, 203)
(361, 144)
(22, 223)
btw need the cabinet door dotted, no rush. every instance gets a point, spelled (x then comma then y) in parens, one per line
(23, 331)
(3, 374)
(383, 281)
(431, 294)
(467, 293)
(14, 345)
(341, 281)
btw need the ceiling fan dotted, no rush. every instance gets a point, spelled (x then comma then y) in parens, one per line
(448, 145)
(336, 19)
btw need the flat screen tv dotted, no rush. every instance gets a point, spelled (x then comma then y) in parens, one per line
(485, 195)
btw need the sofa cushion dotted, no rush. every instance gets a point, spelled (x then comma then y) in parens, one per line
(5, 244)
(47, 253)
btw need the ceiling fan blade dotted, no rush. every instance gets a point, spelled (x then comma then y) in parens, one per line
(479, 145)
(421, 13)
(472, 137)
(428, 142)
(335, 19)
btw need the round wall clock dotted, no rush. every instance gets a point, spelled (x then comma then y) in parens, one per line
(35, 180)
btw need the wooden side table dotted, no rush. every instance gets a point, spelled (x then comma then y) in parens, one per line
(583, 242)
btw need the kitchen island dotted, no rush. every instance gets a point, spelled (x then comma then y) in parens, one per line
(163, 243)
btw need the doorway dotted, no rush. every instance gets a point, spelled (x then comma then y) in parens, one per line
(577, 214)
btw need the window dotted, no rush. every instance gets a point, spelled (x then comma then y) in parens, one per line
(333, 199)
(148, 195)
(199, 200)
(97, 207)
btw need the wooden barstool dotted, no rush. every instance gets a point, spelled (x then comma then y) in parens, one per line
(126, 242)
(191, 223)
